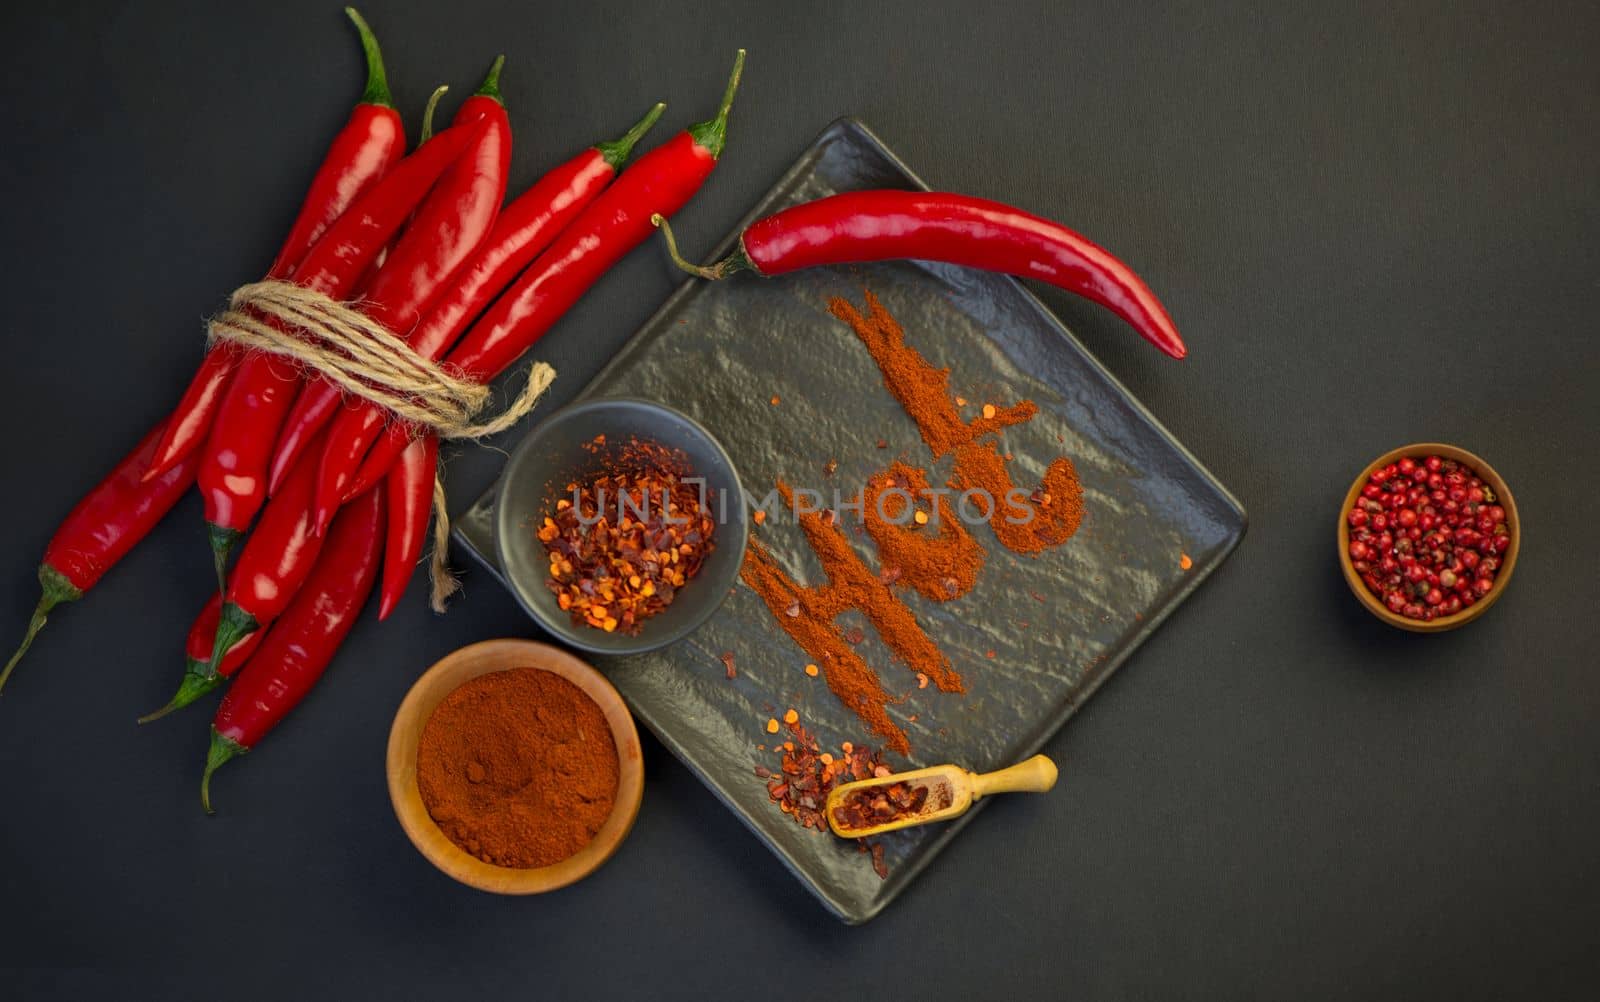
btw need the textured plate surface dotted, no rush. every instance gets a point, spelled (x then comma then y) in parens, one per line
(720, 351)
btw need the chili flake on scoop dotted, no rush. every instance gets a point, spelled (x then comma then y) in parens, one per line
(870, 806)
(623, 542)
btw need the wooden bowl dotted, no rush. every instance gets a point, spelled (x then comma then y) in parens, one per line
(444, 678)
(1508, 560)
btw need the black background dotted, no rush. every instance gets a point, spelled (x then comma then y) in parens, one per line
(1374, 225)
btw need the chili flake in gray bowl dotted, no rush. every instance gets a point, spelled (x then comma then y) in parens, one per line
(621, 525)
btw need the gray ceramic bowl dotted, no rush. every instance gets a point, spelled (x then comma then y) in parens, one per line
(554, 455)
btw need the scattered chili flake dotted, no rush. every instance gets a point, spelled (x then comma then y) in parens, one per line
(961, 401)
(812, 670)
(989, 654)
(1184, 561)
(830, 468)
(921, 517)
(760, 516)
(989, 411)
(727, 661)
(775, 400)
(883, 443)
(772, 725)
(792, 717)
(806, 774)
(855, 635)
(922, 681)
(626, 540)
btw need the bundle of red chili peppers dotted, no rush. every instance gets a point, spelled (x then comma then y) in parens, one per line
(421, 246)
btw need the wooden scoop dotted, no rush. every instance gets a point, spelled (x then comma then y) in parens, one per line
(946, 792)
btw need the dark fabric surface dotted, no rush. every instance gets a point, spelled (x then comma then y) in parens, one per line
(1375, 224)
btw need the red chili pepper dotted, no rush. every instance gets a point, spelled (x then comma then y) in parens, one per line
(274, 563)
(410, 489)
(525, 228)
(660, 183)
(203, 638)
(234, 461)
(303, 640)
(105, 525)
(363, 151)
(859, 226)
(451, 224)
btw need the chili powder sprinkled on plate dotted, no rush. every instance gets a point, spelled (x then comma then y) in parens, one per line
(941, 560)
(850, 585)
(518, 768)
(924, 392)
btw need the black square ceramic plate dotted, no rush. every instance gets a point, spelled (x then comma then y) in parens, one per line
(722, 351)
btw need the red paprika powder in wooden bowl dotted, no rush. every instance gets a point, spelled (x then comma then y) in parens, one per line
(514, 767)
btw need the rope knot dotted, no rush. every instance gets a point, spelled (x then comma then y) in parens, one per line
(364, 359)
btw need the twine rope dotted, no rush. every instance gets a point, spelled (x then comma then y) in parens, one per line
(364, 359)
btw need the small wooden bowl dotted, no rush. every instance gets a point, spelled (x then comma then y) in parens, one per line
(444, 678)
(1508, 560)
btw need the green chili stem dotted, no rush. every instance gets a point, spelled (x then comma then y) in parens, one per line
(222, 542)
(377, 91)
(491, 83)
(617, 151)
(701, 271)
(712, 135)
(737, 261)
(41, 615)
(54, 589)
(221, 751)
(427, 113)
(194, 685)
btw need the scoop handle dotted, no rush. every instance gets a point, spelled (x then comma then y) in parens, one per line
(1036, 775)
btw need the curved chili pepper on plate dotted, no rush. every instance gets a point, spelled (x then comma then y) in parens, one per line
(102, 528)
(525, 227)
(271, 567)
(659, 184)
(362, 153)
(233, 463)
(859, 226)
(409, 487)
(457, 216)
(202, 639)
(302, 642)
